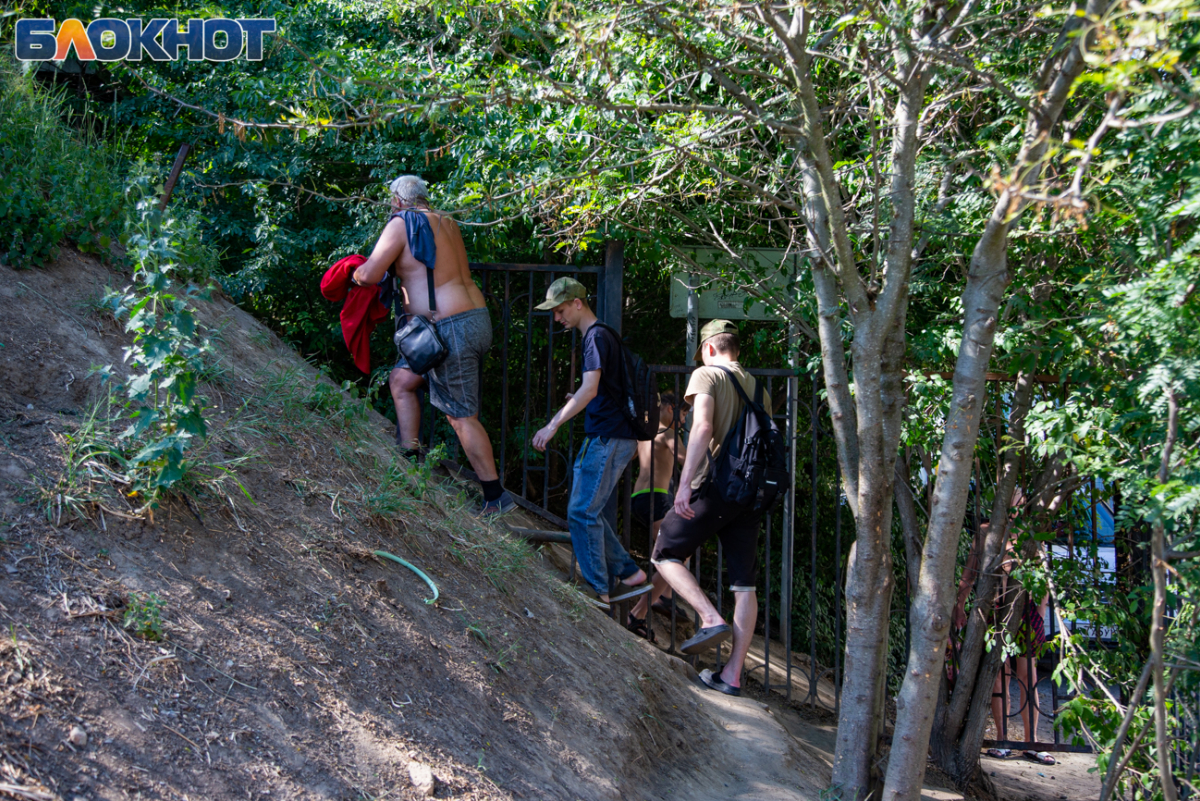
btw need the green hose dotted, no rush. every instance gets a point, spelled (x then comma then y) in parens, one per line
(415, 569)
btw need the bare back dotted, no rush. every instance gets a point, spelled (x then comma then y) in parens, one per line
(452, 284)
(662, 449)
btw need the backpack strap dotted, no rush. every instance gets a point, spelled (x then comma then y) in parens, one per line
(738, 385)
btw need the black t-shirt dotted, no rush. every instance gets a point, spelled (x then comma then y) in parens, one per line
(602, 351)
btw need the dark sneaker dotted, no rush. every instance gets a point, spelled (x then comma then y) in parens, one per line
(499, 506)
(713, 680)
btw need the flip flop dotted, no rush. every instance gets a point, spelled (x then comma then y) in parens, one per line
(999, 753)
(704, 639)
(623, 591)
(714, 681)
(1040, 757)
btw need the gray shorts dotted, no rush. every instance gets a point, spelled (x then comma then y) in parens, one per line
(454, 384)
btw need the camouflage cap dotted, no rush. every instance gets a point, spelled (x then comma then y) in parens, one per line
(711, 329)
(561, 291)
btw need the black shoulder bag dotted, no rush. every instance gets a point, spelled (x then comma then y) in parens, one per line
(418, 340)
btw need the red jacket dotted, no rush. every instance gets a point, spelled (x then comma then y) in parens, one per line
(361, 312)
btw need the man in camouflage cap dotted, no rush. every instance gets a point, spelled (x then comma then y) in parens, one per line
(608, 446)
(700, 513)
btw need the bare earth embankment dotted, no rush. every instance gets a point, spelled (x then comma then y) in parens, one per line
(294, 663)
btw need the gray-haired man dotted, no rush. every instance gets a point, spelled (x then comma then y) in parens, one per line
(417, 239)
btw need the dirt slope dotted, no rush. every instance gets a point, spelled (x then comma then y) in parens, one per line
(294, 663)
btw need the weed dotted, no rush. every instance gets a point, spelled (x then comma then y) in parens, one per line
(389, 494)
(574, 602)
(143, 615)
(23, 663)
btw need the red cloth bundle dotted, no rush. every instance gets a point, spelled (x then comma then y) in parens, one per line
(361, 312)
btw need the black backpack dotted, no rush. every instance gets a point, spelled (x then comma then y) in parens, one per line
(752, 468)
(640, 398)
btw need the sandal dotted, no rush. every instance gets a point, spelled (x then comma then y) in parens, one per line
(999, 753)
(706, 638)
(640, 627)
(1040, 757)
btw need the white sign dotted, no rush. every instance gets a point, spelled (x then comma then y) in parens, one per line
(720, 300)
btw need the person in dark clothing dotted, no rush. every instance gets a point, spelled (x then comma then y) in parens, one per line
(609, 444)
(700, 514)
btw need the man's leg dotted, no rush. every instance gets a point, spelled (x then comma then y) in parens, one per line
(620, 564)
(1028, 685)
(476, 444)
(583, 514)
(404, 385)
(745, 615)
(685, 584)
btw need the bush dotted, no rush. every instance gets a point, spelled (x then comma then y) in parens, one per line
(59, 185)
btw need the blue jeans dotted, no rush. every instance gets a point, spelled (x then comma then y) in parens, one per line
(598, 467)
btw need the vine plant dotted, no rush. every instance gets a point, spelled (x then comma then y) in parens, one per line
(165, 414)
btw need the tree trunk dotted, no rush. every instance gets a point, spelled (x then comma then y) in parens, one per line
(987, 280)
(1158, 628)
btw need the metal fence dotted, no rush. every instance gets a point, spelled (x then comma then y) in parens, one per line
(530, 369)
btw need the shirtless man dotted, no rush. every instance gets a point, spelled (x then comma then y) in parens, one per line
(462, 320)
(657, 459)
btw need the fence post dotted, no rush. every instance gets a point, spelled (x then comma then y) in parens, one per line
(610, 292)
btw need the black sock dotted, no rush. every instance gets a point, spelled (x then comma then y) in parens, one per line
(491, 490)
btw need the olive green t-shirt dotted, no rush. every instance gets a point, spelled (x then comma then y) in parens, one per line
(727, 404)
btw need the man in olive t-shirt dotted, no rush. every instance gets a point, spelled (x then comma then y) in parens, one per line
(698, 516)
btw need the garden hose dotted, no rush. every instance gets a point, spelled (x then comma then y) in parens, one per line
(415, 569)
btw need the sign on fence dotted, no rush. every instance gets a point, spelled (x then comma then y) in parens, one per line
(774, 268)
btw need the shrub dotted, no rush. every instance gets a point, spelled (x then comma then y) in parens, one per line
(58, 184)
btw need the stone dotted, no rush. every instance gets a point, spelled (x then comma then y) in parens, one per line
(422, 778)
(78, 737)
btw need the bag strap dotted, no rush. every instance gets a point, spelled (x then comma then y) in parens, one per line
(410, 230)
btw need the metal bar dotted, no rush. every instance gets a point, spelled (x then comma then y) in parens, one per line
(609, 292)
(693, 320)
(758, 372)
(720, 593)
(570, 466)
(767, 608)
(674, 623)
(506, 327)
(528, 376)
(837, 603)
(541, 535)
(532, 268)
(812, 575)
(549, 398)
(1062, 646)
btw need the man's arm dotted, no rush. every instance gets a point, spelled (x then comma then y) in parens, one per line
(578, 402)
(389, 247)
(703, 408)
